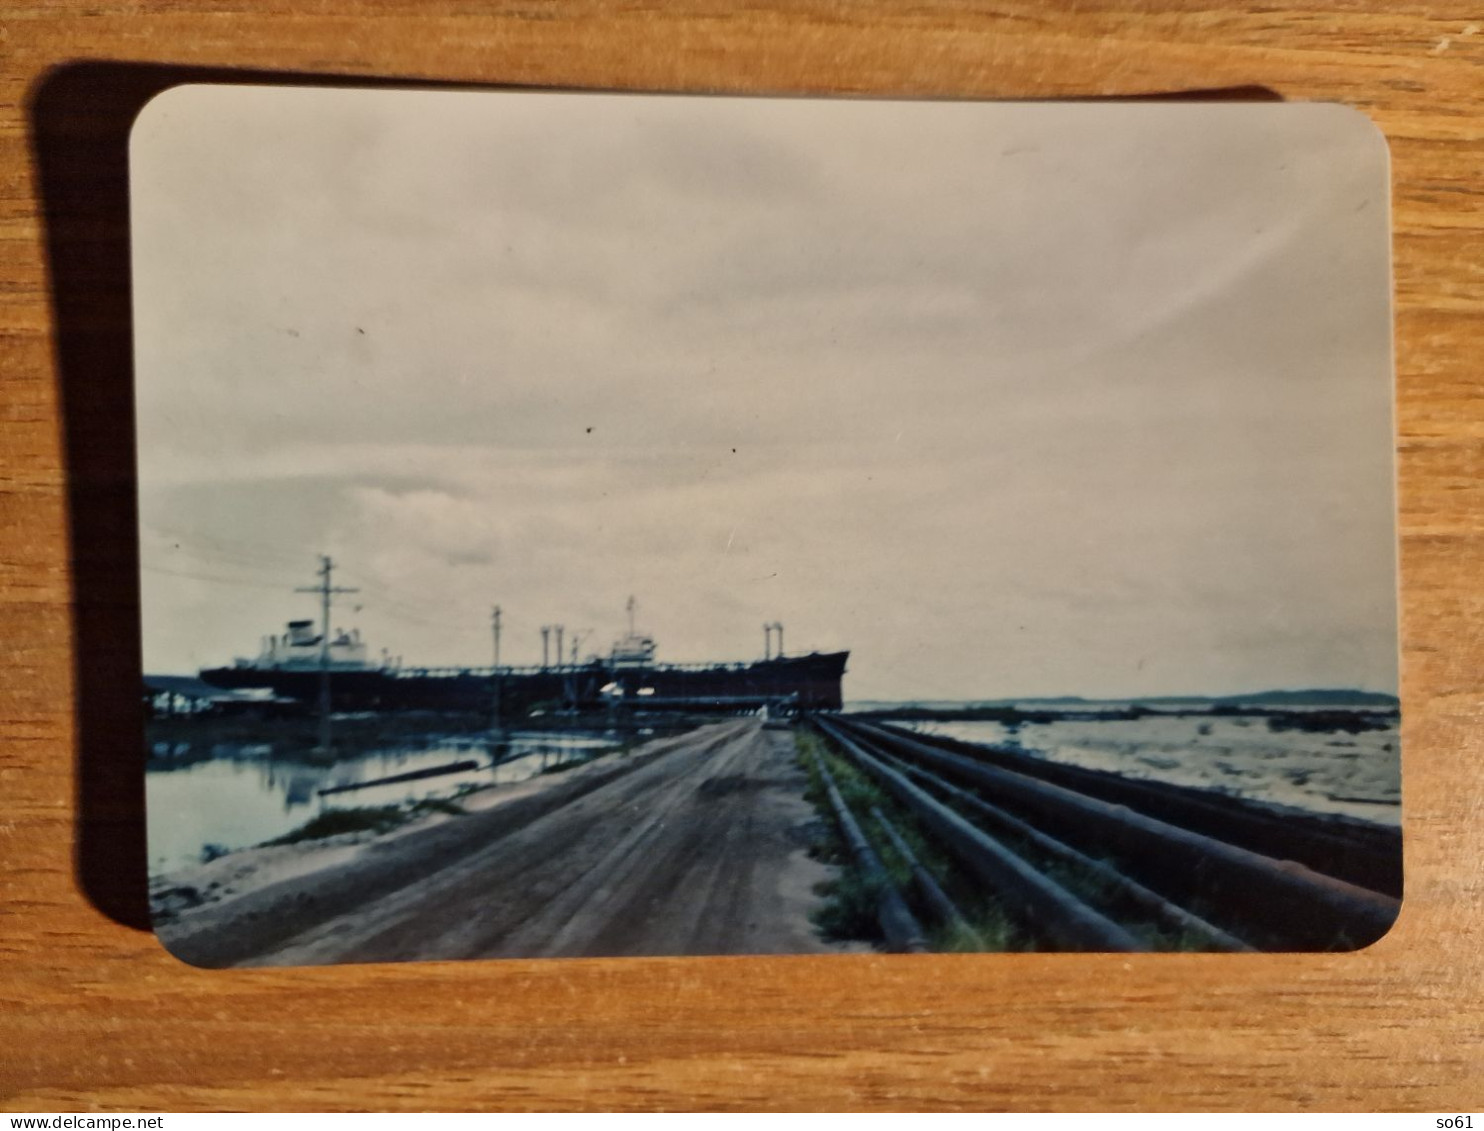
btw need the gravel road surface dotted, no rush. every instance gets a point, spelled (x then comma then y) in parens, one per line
(689, 845)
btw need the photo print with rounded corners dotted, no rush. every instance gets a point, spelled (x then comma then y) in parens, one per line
(599, 524)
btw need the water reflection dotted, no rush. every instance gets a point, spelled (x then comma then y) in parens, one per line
(204, 799)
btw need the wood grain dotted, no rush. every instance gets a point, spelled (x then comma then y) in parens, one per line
(93, 1014)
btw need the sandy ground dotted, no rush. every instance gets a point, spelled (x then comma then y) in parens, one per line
(695, 845)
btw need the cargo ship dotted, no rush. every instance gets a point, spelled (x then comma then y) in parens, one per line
(628, 678)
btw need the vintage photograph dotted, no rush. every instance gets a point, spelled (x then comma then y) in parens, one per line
(579, 525)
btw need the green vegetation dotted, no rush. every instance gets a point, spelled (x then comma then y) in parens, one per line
(334, 822)
(437, 805)
(849, 910)
(583, 757)
(374, 819)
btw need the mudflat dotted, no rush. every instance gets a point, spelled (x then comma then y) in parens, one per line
(687, 846)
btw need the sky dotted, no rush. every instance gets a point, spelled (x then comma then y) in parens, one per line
(1007, 399)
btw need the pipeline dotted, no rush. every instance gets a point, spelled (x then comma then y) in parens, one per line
(932, 893)
(1364, 854)
(1049, 908)
(903, 934)
(1167, 914)
(1295, 902)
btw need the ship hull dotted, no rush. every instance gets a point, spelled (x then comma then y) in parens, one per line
(809, 682)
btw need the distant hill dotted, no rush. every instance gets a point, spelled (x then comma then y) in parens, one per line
(1315, 697)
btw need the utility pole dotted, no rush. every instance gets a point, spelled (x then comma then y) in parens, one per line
(778, 627)
(495, 627)
(545, 637)
(326, 591)
(559, 629)
(768, 641)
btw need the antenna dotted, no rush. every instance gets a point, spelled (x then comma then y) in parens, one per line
(577, 639)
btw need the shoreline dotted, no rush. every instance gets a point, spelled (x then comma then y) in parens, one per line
(712, 824)
(248, 870)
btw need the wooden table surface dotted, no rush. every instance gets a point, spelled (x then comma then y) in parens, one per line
(93, 1014)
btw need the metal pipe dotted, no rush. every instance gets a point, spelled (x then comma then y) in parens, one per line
(1365, 855)
(932, 893)
(1162, 910)
(1301, 904)
(1049, 908)
(903, 934)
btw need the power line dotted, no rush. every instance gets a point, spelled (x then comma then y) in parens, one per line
(210, 577)
(226, 550)
(257, 546)
(393, 604)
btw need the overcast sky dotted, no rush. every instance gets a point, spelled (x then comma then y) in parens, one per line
(1008, 400)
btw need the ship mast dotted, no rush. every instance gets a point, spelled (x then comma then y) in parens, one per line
(495, 614)
(326, 591)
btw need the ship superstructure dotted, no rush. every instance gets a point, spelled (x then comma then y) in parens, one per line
(299, 649)
(633, 649)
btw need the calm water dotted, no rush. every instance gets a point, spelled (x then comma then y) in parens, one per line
(242, 795)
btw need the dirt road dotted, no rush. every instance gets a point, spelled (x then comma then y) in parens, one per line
(689, 846)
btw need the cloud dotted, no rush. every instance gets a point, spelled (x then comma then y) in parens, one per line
(1006, 399)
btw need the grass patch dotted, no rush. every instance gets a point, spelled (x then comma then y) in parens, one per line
(1087, 885)
(1001, 930)
(376, 819)
(436, 805)
(582, 758)
(849, 911)
(334, 822)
